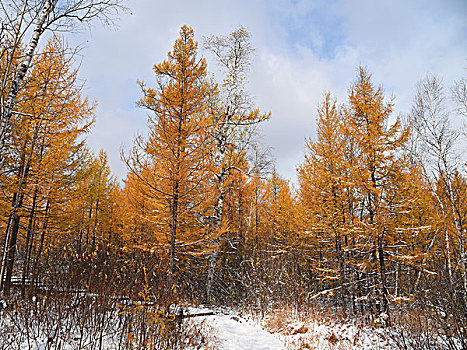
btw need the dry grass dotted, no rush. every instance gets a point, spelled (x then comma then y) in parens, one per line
(409, 329)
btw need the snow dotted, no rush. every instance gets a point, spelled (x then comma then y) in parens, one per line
(236, 333)
(226, 330)
(336, 336)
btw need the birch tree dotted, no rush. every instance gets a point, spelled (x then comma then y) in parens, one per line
(235, 116)
(440, 152)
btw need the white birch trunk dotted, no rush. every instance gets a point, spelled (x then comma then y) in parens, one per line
(218, 208)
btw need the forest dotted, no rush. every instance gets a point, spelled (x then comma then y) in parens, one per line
(373, 232)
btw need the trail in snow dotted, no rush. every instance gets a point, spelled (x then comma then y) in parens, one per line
(236, 333)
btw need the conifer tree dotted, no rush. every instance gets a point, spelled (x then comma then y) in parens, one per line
(175, 164)
(351, 185)
(44, 142)
(378, 170)
(325, 192)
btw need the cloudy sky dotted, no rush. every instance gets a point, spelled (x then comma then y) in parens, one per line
(303, 48)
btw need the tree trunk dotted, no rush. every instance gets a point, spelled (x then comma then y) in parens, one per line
(17, 202)
(173, 235)
(11, 255)
(384, 291)
(95, 226)
(217, 226)
(340, 257)
(29, 237)
(88, 226)
(212, 268)
(41, 244)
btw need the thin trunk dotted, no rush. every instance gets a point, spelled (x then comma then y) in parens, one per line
(396, 290)
(17, 202)
(384, 291)
(30, 248)
(462, 259)
(448, 253)
(340, 258)
(11, 255)
(5, 249)
(41, 244)
(88, 224)
(81, 228)
(212, 268)
(173, 235)
(460, 229)
(95, 226)
(29, 236)
(213, 258)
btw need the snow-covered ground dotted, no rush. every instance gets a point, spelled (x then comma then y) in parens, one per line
(314, 335)
(224, 329)
(233, 332)
(236, 333)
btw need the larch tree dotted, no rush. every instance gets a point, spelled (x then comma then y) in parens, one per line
(378, 171)
(281, 243)
(87, 208)
(175, 163)
(326, 194)
(352, 186)
(45, 140)
(137, 206)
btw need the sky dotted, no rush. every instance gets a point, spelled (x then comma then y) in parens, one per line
(303, 48)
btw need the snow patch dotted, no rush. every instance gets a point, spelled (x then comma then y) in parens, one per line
(237, 333)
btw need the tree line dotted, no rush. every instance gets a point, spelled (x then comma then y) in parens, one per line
(376, 222)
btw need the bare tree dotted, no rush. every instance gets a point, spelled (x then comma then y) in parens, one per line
(441, 156)
(432, 126)
(459, 92)
(235, 121)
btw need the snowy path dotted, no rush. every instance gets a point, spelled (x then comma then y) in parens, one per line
(236, 333)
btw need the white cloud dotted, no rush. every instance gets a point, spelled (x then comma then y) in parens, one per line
(399, 41)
